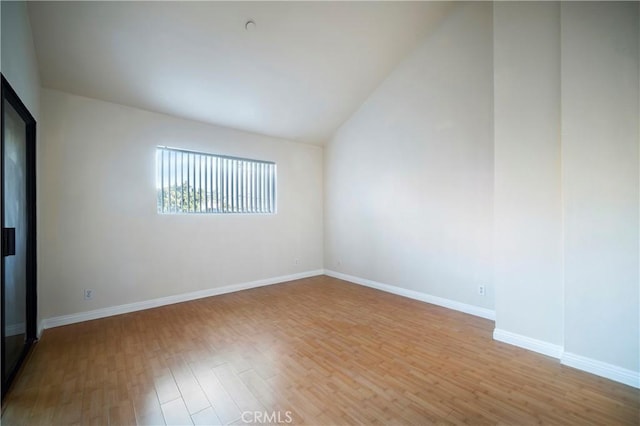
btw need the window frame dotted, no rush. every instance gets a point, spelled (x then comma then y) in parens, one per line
(243, 186)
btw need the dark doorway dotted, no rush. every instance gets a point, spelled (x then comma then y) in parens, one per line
(18, 217)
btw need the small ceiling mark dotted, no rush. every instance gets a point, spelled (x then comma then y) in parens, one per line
(250, 25)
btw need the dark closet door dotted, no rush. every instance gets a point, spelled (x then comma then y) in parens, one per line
(18, 233)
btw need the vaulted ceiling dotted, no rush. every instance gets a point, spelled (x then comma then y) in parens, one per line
(298, 74)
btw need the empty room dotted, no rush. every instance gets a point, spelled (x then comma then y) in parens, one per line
(320, 213)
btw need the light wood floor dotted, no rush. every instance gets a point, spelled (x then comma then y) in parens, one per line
(316, 351)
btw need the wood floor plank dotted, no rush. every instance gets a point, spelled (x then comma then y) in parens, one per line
(166, 387)
(121, 414)
(223, 405)
(206, 417)
(321, 350)
(259, 388)
(175, 413)
(241, 395)
(147, 409)
(192, 394)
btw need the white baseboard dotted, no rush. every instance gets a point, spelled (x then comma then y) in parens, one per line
(154, 303)
(602, 369)
(609, 371)
(589, 365)
(412, 294)
(528, 343)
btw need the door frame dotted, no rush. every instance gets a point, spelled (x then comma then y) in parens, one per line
(8, 94)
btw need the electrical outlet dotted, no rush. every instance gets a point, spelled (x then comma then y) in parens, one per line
(88, 294)
(481, 290)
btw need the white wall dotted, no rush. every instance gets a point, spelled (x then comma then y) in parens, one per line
(408, 178)
(19, 65)
(529, 293)
(567, 182)
(418, 188)
(600, 114)
(100, 229)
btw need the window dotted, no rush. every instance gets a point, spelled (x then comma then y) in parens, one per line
(195, 182)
